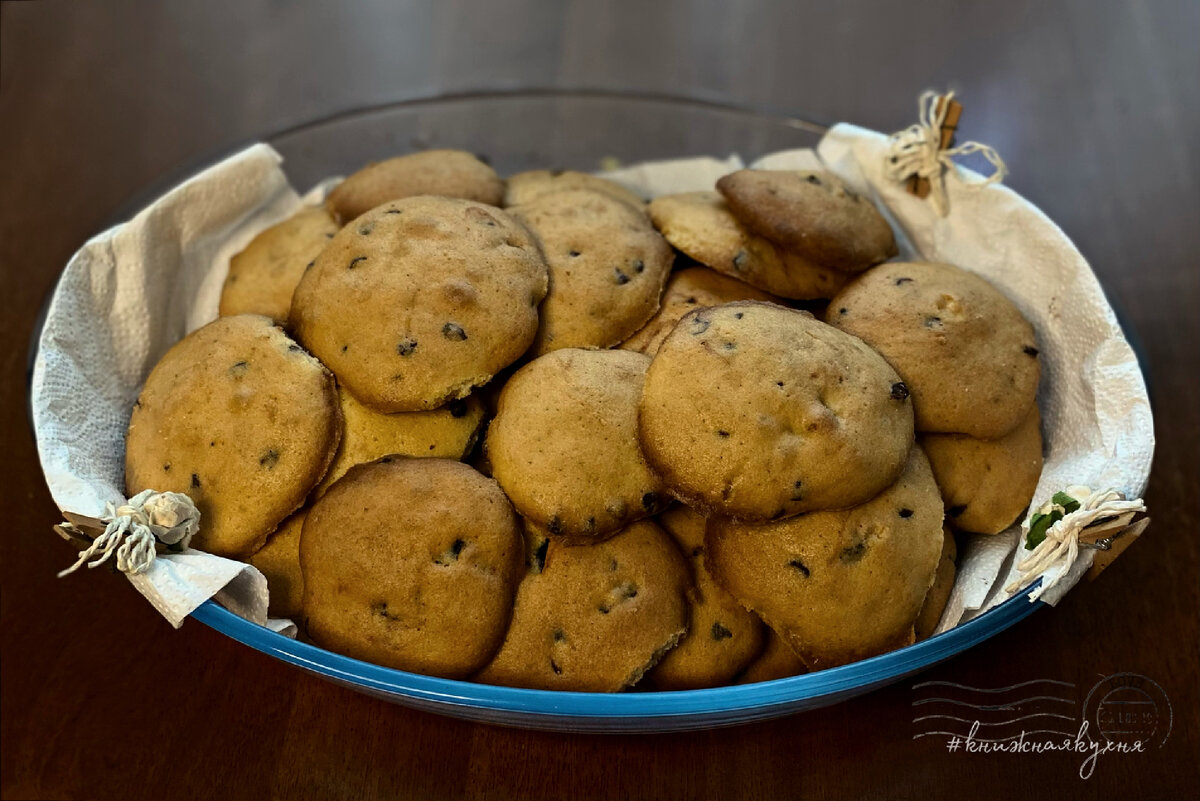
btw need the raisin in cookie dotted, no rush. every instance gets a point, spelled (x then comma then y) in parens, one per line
(607, 268)
(702, 226)
(564, 443)
(939, 593)
(411, 564)
(264, 275)
(279, 561)
(417, 301)
(987, 483)
(778, 661)
(537, 545)
(691, 288)
(528, 186)
(812, 213)
(243, 421)
(449, 173)
(966, 353)
(448, 433)
(723, 637)
(839, 586)
(758, 412)
(597, 617)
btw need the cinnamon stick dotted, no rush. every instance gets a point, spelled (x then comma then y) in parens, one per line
(920, 186)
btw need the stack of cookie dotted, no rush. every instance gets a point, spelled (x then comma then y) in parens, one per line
(970, 359)
(502, 439)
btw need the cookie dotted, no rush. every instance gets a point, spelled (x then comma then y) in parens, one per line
(607, 268)
(691, 288)
(525, 187)
(723, 637)
(564, 445)
(418, 301)
(237, 416)
(778, 661)
(279, 561)
(986, 484)
(838, 586)
(263, 276)
(448, 433)
(597, 617)
(411, 564)
(449, 173)
(702, 226)
(939, 593)
(758, 412)
(966, 353)
(812, 213)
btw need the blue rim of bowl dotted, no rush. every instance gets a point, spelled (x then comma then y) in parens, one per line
(866, 673)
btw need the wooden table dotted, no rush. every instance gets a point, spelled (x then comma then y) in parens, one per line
(1093, 105)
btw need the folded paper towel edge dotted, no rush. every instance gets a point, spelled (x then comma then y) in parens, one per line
(236, 585)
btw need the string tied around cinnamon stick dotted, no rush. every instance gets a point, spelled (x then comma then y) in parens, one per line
(135, 530)
(921, 154)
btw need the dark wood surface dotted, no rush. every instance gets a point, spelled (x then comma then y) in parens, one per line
(1093, 105)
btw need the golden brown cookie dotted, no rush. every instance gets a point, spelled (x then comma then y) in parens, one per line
(966, 353)
(691, 288)
(597, 617)
(447, 433)
(263, 276)
(449, 173)
(758, 412)
(279, 561)
(237, 416)
(987, 483)
(778, 661)
(723, 637)
(564, 443)
(812, 213)
(528, 186)
(839, 586)
(418, 301)
(702, 226)
(939, 593)
(411, 564)
(607, 268)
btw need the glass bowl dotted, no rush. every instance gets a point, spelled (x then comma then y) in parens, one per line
(523, 130)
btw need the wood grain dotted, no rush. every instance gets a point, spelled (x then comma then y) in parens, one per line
(1093, 105)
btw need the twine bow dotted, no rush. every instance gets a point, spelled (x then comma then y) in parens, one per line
(133, 531)
(918, 151)
(1104, 514)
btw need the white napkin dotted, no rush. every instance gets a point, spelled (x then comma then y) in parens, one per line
(134, 290)
(124, 298)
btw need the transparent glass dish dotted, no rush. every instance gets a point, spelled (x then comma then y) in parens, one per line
(524, 130)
